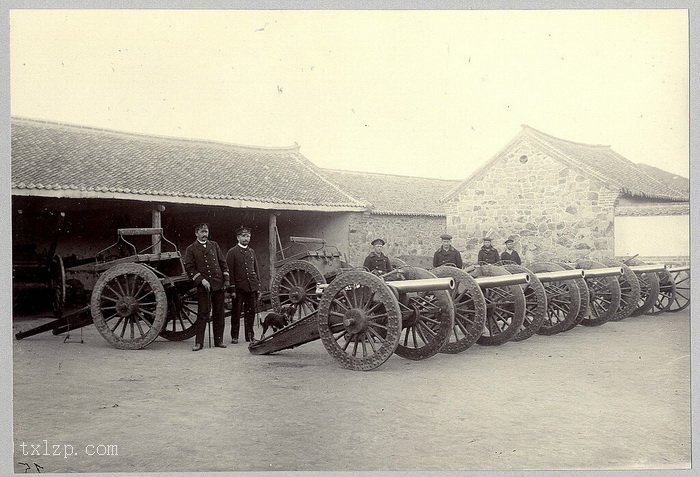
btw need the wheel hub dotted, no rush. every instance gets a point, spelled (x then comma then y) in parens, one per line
(410, 316)
(356, 321)
(297, 295)
(127, 306)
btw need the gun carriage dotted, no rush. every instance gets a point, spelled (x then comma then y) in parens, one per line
(138, 295)
(681, 286)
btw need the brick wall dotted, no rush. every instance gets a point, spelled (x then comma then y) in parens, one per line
(404, 235)
(554, 210)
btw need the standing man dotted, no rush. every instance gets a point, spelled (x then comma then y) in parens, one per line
(487, 254)
(376, 262)
(243, 264)
(510, 254)
(206, 265)
(447, 254)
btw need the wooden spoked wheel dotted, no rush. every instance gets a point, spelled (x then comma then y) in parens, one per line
(604, 295)
(397, 263)
(535, 302)
(427, 318)
(629, 290)
(359, 320)
(505, 308)
(667, 293)
(470, 309)
(681, 299)
(295, 284)
(57, 284)
(563, 300)
(648, 289)
(584, 296)
(182, 315)
(129, 306)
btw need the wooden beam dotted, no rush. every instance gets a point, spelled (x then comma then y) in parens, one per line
(272, 244)
(156, 224)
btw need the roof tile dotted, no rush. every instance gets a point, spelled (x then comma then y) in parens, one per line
(77, 158)
(394, 194)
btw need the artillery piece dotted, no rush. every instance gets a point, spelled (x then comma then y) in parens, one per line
(681, 286)
(491, 301)
(604, 291)
(308, 262)
(137, 296)
(362, 319)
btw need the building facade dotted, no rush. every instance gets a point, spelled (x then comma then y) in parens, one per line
(559, 199)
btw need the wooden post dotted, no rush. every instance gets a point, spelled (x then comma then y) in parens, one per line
(156, 224)
(272, 244)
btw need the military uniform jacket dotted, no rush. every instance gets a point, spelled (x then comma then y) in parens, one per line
(243, 265)
(206, 262)
(442, 257)
(512, 256)
(488, 255)
(377, 261)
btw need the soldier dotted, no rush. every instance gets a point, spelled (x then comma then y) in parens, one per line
(205, 263)
(487, 254)
(376, 262)
(243, 264)
(447, 254)
(509, 254)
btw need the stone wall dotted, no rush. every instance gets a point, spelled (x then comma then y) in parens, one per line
(408, 237)
(553, 210)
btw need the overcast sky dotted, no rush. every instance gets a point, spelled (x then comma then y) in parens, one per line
(425, 93)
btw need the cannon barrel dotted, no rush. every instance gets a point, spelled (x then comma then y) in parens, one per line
(423, 284)
(678, 269)
(648, 268)
(405, 286)
(561, 275)
(503, 280)
(603, 272)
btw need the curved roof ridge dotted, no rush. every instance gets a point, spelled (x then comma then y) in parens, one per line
(316, 171)
(151, 137)
(530, 128)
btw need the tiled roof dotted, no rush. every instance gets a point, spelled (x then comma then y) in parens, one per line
(392, 194)
(598, 161)
(667, 208)
(61, 157)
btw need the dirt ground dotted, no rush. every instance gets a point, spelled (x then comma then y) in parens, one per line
(612, 397)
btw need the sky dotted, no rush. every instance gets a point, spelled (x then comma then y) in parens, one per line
(422, 93)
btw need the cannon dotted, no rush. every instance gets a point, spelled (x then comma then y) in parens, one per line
(648, 284)
(563, 296)
(599, 292)
(505, 304)
(477, 308)
(362, 319)
(604, 292)
(535, 302)
(305, 264)
(137, 296)
(681, 281)
(629, 290)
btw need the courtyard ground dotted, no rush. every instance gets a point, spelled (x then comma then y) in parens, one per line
(612, 397)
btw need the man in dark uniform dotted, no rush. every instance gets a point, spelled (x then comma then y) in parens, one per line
(205, 263)
(447, 254)
(243, 264)
(488, 254)
(510, 254)
(376, 262)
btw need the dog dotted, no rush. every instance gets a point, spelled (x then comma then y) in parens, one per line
(277, 321)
